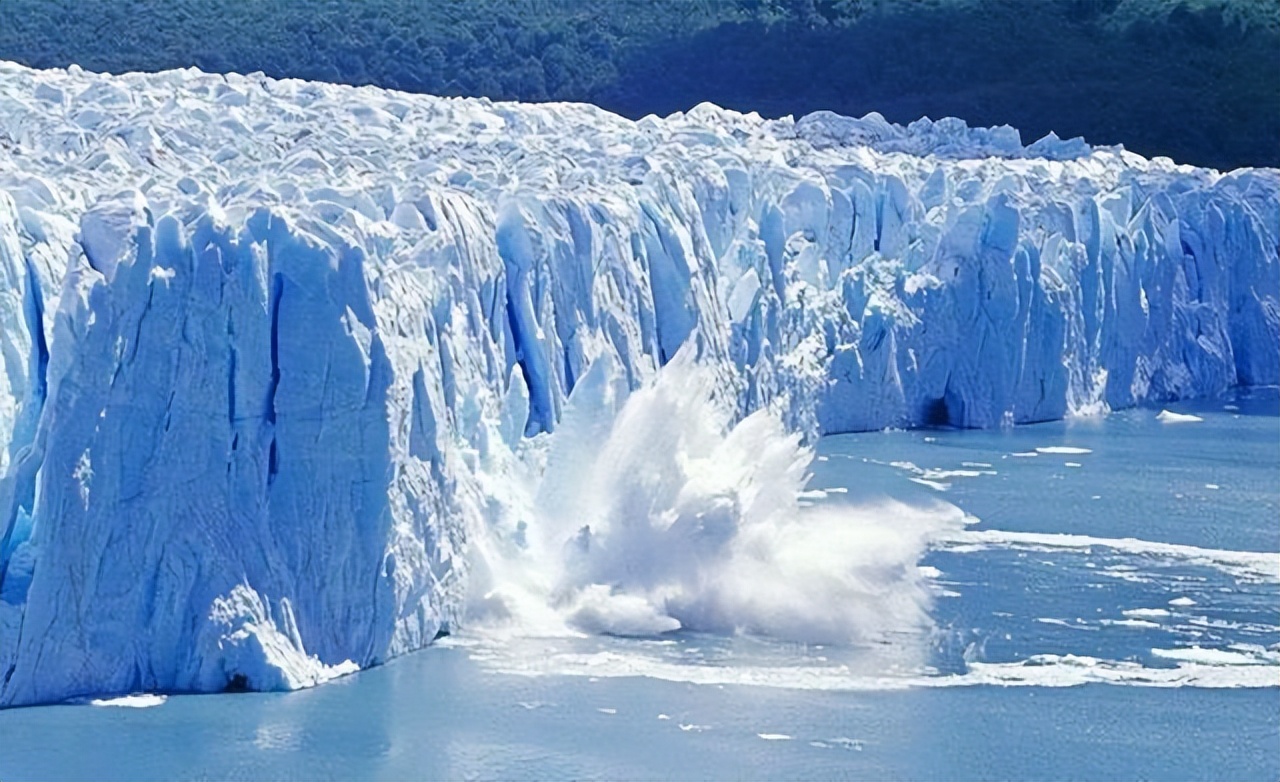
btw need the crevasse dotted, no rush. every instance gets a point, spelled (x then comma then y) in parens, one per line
(257, 335)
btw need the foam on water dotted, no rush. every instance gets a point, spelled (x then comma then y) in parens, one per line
(657, 510)
(1252, 566)
(1194, 667)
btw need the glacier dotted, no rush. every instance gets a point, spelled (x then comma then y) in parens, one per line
(263, 342)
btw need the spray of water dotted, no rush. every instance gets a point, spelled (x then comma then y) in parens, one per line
(653, 511)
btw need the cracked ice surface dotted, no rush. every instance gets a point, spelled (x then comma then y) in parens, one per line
(256, 335)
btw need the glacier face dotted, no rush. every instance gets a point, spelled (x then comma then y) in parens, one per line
(257, 336)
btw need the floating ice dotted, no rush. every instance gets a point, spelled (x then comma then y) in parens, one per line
(139, 701)
(1066, 450)
(1195, 654)
(1145, 613)
(1050, 670)
(1252, 566)
(1214, 671)
(1168, 417)
(1140, 623)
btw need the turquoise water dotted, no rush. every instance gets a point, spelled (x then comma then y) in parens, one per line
(1060, 579)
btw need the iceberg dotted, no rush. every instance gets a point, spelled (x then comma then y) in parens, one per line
(260, 340)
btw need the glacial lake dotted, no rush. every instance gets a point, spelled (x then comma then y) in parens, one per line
(1112, 610)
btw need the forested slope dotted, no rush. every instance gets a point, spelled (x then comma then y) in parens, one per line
(1191, 79)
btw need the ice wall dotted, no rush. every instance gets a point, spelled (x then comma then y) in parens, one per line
(259, 336)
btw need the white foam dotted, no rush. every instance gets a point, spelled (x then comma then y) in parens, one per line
(656, 511)
(1212, 671)
(1076, 625)
(1260, 566)
(935, 475)
(839, 742)
(774, 736)
(935, 485)
(1051, 670)
(1196, 654)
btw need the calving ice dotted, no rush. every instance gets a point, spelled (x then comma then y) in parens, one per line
(275, 353)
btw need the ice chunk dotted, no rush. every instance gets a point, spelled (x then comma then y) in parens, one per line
(1146, 613)
(1168, 417)
(139, 701)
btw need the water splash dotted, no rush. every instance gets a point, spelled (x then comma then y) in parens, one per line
(652, 511)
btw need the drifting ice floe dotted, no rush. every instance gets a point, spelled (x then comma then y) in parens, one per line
(1167, 417)
(140, 701)
(258, 338)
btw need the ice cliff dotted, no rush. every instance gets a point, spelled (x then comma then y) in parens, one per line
(258, 337)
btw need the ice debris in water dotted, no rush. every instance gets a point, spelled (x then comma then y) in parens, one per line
(262, 342)
(1169, 417)
(658, 509)
(138, 701)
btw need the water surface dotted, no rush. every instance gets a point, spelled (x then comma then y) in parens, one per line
(1063, 578)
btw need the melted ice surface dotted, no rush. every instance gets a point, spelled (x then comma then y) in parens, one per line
(266, 347)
